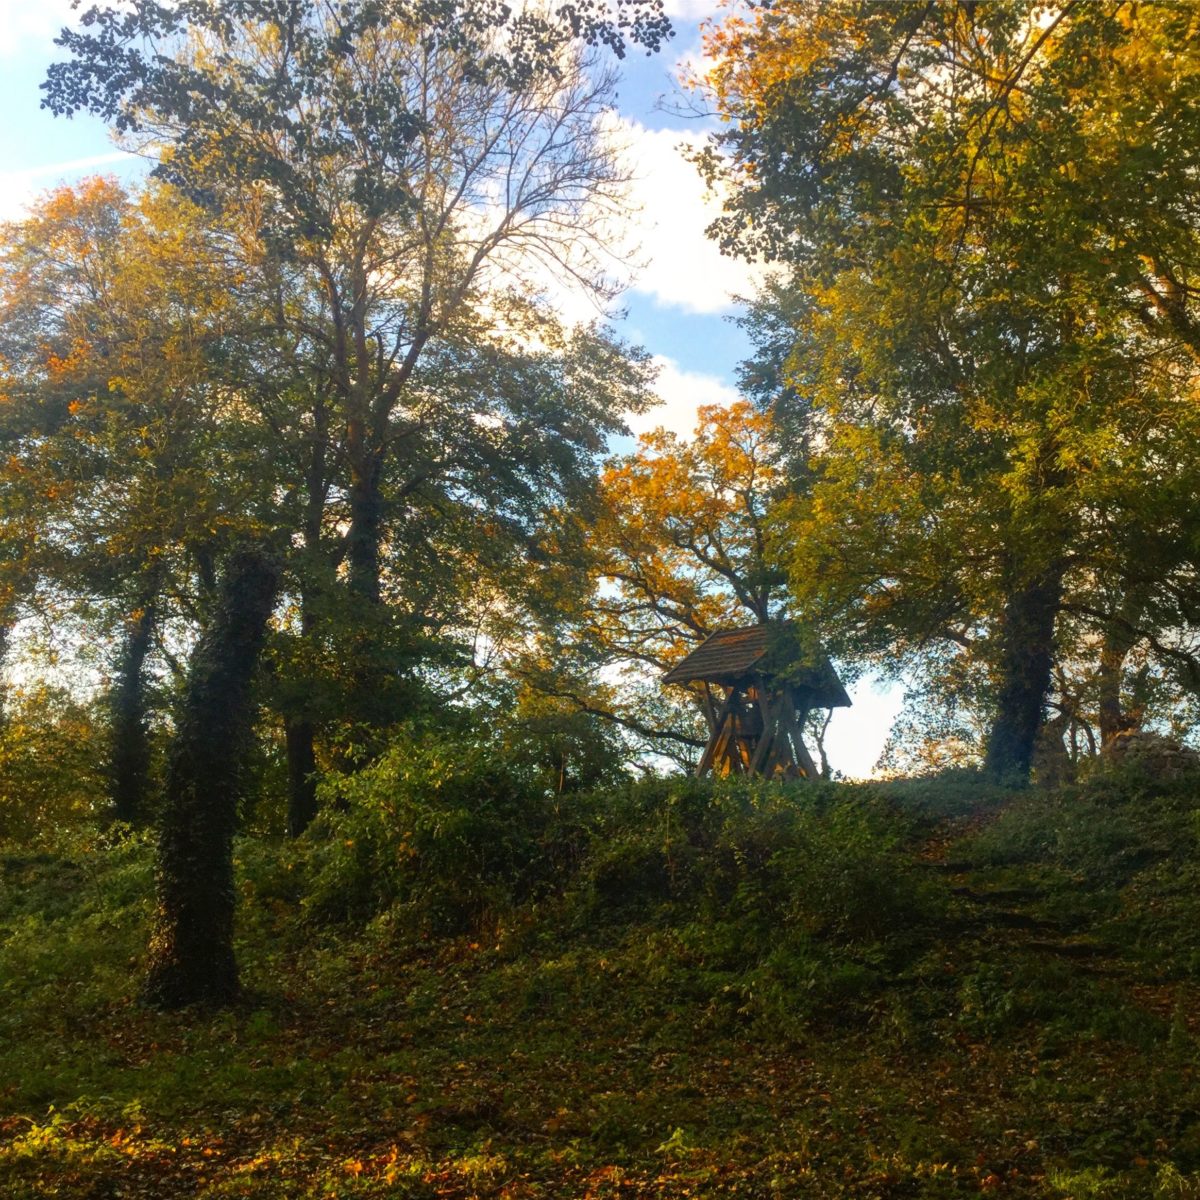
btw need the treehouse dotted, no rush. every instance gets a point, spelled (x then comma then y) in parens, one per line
(771, 680)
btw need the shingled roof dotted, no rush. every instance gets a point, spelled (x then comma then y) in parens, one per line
(730, 656)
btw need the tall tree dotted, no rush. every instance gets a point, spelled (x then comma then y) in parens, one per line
(388, 157)
(120, 437)
(955, 190)
(400, 174)
(385, 188)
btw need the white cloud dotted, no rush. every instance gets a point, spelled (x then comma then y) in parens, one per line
(26, 176)
(18, 188)
(684, 269)
(655, 242)
(682, 392)
(23, 22)
(691, 10)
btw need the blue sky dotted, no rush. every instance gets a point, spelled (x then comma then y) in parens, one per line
(680, 303)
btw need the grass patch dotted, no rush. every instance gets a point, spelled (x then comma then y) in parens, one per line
(714, 992)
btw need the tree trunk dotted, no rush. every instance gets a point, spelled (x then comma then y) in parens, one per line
(365, 531)
(302, 779)
(373, 683)
(1119, 639)
(129, 739)
(300, 731)
(5, 637)
(820, 727)
(191, 948)
(299, 723)
(1026, 661)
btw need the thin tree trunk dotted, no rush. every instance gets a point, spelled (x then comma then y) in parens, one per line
(373, 690)
(5, 639)
(191, 948)
(299, 725)
(1026, 661)
(129, 738)
(300, 732)
(302, 778)
(820, 727)
(1119, 639)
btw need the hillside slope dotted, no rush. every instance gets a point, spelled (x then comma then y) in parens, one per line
(925, 989)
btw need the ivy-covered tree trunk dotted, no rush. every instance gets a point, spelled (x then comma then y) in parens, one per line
(129, 738)
(191, 948)
(1026, 662)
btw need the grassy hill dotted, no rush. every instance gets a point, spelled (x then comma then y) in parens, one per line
(928, 988)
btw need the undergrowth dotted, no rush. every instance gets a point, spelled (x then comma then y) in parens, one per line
(925, 988)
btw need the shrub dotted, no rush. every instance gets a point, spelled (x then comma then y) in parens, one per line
(1104, 830)
(823, 861)
(51, 777)
(69, 925)
(443, 833)
(954, 792)
(766, 903)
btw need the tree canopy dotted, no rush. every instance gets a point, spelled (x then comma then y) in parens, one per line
(308, 378)
(300, 450)
(990, 300)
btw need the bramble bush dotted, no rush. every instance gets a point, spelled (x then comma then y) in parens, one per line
(451, 834)
(953, 792)
(765, 904)
(72, 923)
(1119, 853)
(440, 833)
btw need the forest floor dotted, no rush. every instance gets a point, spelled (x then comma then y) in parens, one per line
(1041, 1040)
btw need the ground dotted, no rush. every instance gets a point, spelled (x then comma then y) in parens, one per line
(1035, 1036)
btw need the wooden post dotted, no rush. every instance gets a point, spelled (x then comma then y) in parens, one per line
(714, 741)
(789, 737)
(802, 755)
(733, 745)
(770, 719)
(709, 713)
(736, 747)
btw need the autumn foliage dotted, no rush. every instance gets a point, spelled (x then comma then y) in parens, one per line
(350, 844)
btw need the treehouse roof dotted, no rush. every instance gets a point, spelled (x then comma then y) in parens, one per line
(774, 651)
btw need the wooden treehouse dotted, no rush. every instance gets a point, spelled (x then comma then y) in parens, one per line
(770, 684)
